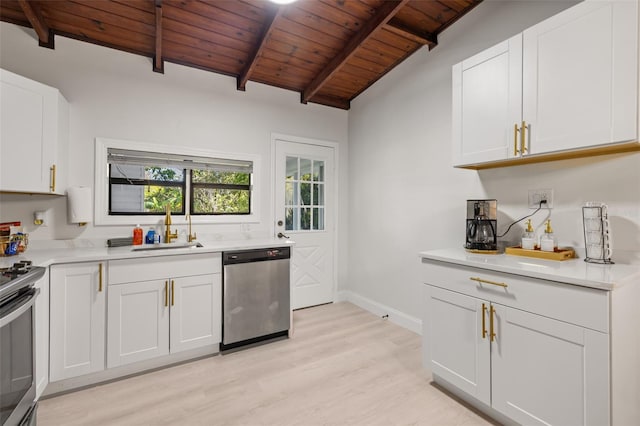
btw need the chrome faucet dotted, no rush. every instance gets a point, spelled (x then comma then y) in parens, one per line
(191, 237)
(168, 236)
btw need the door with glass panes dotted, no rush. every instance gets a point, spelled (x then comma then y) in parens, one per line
(304, 212)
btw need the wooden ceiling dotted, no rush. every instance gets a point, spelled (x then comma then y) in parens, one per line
(329, 51)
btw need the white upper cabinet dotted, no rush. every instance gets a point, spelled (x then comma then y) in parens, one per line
(562, 87)
(34, 121)
(487, 99)
(580, 79)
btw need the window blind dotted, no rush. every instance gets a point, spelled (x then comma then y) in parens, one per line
(178, 161)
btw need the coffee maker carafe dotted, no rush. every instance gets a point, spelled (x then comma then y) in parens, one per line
(481, 225)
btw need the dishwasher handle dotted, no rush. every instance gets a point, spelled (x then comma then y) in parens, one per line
(257, 255)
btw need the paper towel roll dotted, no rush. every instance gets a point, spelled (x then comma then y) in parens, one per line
(79, 204)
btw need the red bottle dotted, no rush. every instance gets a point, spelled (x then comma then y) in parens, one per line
(137, 235)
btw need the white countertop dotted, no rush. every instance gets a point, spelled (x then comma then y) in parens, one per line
(572, 271)
(49, 256)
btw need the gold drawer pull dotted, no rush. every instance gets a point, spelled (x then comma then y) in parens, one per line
(523, 135)
(515, 140)
(52, 185)
(166, 293)
(100, 277)
(484, 324)
(481, 281)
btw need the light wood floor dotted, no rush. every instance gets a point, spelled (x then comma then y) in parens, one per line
(343, 366)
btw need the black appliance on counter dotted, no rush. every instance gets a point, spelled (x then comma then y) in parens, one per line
(17, 343)
(482, 222)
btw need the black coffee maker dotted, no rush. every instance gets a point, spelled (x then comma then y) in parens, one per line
(482, 223)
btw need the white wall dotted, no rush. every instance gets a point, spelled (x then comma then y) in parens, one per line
(405, 195)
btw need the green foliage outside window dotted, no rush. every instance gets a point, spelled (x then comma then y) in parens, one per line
(216, 192)
(156, 197)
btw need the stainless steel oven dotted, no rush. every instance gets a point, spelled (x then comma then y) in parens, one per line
(17, 345)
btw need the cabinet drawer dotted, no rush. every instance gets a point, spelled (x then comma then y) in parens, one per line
(163, 267)
(582, 306)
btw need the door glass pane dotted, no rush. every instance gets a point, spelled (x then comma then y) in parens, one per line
(318, 219)
(291, 194)
(305, 194)
(318, 194)
(318, 171)
(292, 168)
(305, 219)
(304, 188)
(291, 219)
(305, 169)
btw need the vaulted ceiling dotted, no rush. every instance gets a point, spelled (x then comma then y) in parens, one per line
(329, 51)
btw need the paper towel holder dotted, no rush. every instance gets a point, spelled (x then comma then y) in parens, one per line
(40, 218)
(79, 205)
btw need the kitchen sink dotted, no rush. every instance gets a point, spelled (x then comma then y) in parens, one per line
(166, 246)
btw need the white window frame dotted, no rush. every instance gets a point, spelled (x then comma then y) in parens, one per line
(101, 184)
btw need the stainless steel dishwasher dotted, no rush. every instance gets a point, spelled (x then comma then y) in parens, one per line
(255, 296)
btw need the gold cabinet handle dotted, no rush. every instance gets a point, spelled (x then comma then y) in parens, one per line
(523, 134)
(481, 281)
(484, 324)
(492, 334)
(173, 294)
(52, 169)
(515, 140)
(166, 293)
(100, 277)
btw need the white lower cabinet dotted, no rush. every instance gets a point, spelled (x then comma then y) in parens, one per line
(178, 309)
(138, 326)
(77, 320)
(483, 335)
(548, 372)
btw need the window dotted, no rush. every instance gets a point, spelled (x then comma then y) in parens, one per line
(137, 189)
(220, 192)
(304, 194)
(143, 183)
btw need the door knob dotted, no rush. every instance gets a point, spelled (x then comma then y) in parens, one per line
(281, 235)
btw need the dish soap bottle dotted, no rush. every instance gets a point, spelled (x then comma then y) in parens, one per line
(548, 241)
(529, 237)
(137, 235)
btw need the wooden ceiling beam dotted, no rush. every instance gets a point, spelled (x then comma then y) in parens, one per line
(267, 29)
(381, 17)
(331, 101)
(421, 37)
(45, 34)
(158, 61)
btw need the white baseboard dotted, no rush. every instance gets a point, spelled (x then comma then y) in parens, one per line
(399, 318)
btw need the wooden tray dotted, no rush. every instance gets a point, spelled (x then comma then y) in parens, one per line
(559, 254)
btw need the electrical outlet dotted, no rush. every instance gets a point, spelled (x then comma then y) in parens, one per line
(538, 195)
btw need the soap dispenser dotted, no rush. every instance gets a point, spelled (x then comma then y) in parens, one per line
(548, 240)
(529, 237)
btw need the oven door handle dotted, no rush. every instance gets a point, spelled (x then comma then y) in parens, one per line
(20, 309)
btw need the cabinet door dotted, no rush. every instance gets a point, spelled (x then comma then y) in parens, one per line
(487, 104)
(548, 372)
(77, 328)
(23, 148)
(195, 312)
(138, 322)
(580, 77)
(42, 335)
(455, 347)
